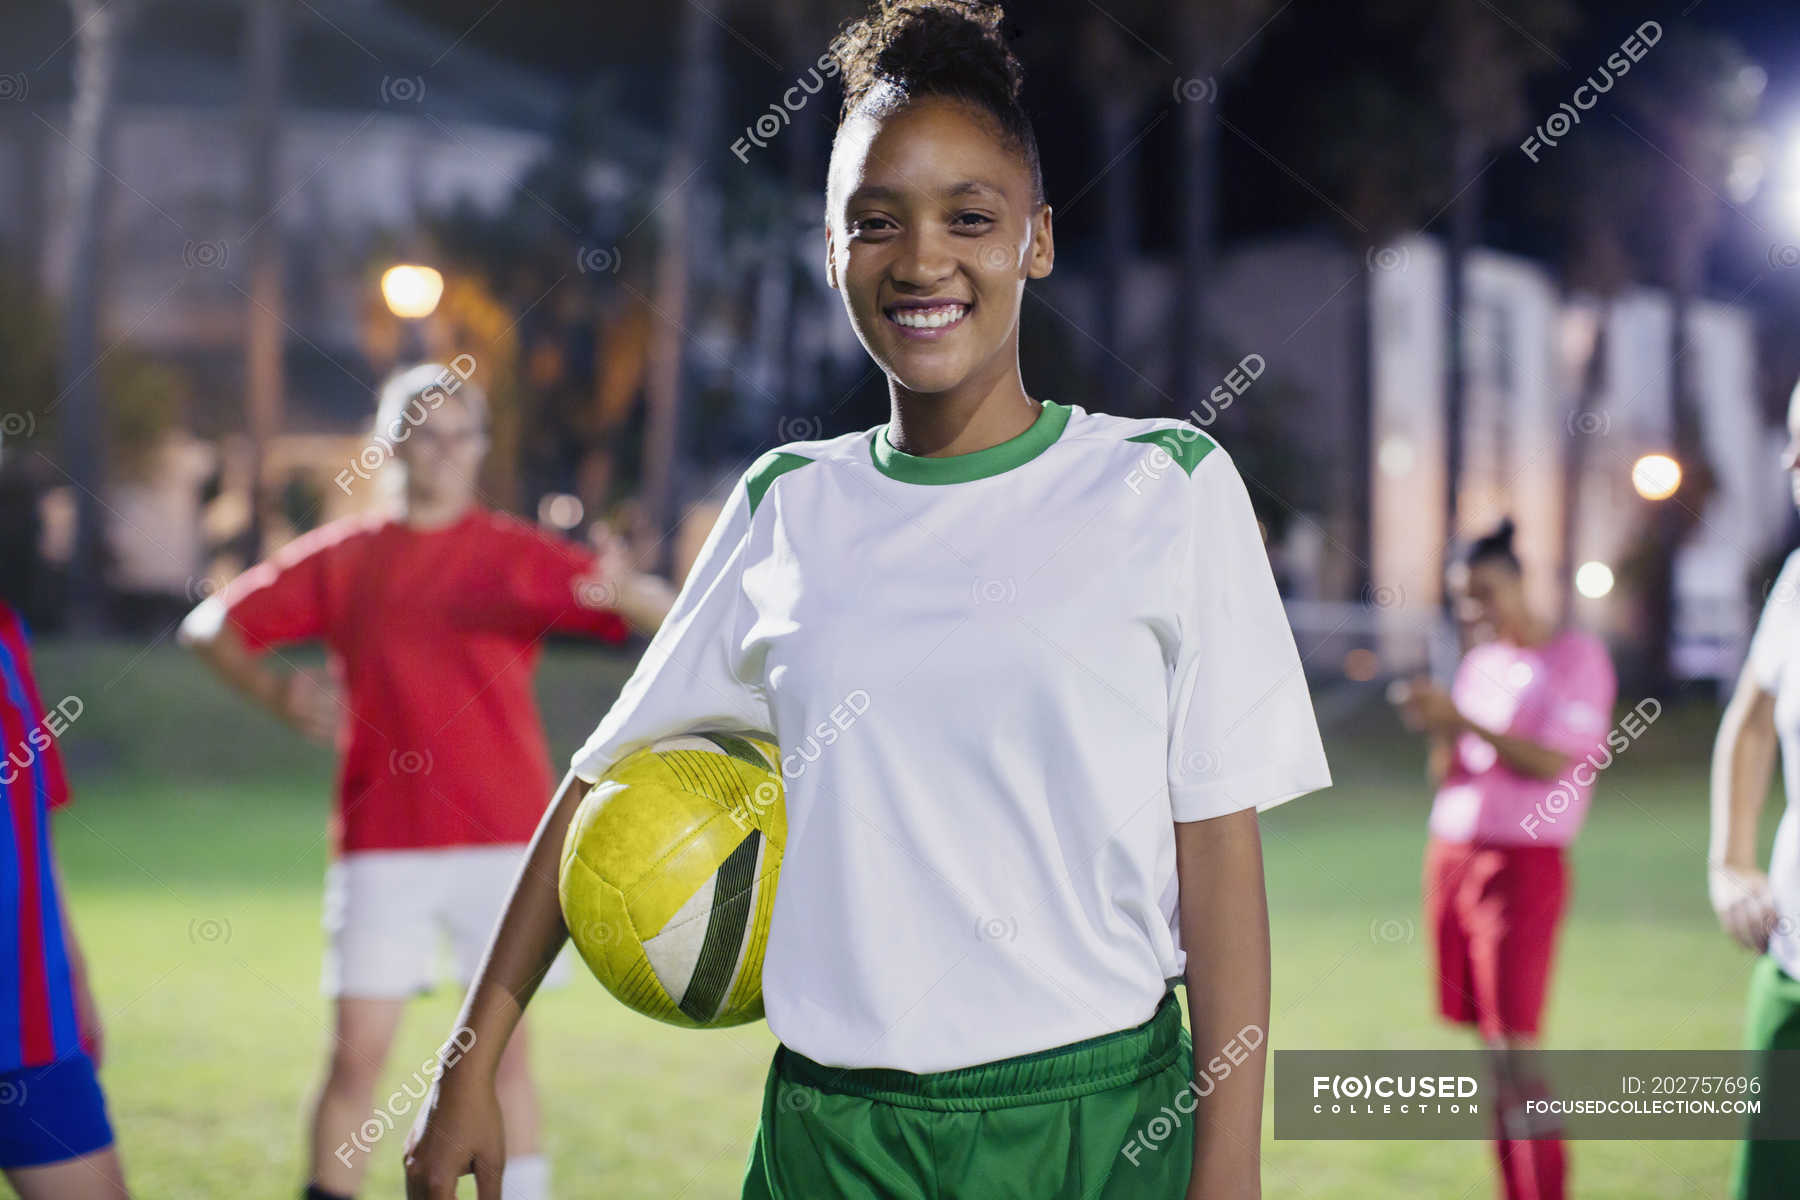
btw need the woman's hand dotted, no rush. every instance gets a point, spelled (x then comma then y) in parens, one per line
(310, 704)
(459, 1132)
(616, 583)
(1427, 708)
(1745, 907)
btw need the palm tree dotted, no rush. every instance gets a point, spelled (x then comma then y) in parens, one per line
(1117, 67)
(1693, 109)
(1387, 187)
(805, 29)
(1214, 40)
(1484, 66)
(697, 77)
(1590, 192)
(1479, 61)
(264, 58)
(99, 27)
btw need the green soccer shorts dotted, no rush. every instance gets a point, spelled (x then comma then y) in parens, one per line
(1770, 1170)
(1110, 1118)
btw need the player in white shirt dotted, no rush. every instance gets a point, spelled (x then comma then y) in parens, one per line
(1032, 683)
(1760, 910)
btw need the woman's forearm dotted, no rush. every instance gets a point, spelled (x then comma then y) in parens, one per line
(525, 943)
(206, 632)
(1225, 932)
(644, 600)
(1439, 758)
(1743, 763)
(1531, 759)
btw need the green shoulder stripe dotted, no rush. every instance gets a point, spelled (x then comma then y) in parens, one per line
(1186, 445)
(766, 470)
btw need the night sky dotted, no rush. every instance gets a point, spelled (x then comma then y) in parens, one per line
(1308, 40)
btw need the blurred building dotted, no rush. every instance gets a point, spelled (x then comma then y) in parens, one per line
(385, 118)
(1343, 335)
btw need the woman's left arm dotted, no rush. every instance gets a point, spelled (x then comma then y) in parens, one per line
(87, 1013)
(1531, 759)
(1225, 932)
(1431, 708)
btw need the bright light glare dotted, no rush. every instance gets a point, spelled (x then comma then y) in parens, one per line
(1594, 580)
(1656, 477)
(560, 510)
(1396, 456)
(411, 291)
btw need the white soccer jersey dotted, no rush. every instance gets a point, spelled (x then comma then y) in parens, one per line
(1775, 665)
(996, 679)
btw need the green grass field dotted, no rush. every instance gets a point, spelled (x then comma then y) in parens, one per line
(195, 853)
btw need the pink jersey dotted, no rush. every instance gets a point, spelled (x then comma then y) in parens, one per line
(1559, 694)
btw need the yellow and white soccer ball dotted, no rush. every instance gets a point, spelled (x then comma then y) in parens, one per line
(668, 874)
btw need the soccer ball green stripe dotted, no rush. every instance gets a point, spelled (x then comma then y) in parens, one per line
(726, 929)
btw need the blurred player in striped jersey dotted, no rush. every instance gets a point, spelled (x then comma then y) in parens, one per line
(55, 1140)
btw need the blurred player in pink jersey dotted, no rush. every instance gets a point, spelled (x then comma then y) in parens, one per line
(1515, 747)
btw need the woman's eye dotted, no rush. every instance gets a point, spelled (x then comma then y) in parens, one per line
(972, 220)
(864, 225)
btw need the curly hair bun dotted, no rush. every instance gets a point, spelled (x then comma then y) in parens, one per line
(929, 47)
(906, 49)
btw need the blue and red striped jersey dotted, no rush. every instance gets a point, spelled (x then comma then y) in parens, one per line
(37, 1000)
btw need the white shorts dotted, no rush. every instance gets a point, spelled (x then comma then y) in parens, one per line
(389, 912)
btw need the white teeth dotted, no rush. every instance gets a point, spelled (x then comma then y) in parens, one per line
(929, 318)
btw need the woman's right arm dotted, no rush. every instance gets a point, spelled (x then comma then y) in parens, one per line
(1440, 756)
(691, 676)
(459, 1132)
(304, 702)
(1743, 762)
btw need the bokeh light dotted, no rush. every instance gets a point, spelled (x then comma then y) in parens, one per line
(1656, 476)
(412, 291)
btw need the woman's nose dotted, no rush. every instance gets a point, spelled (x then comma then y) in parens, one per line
(923, 261)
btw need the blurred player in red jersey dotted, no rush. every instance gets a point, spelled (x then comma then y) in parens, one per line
(55, 1140)
(1515, 747)
(433, 609)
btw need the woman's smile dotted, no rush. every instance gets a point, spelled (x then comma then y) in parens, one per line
(927, 320)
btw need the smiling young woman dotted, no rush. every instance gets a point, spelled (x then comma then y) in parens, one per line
(1081, 688)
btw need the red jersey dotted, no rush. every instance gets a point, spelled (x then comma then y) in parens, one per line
(433, 635)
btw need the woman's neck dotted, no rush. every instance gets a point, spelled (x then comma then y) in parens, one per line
(961, 420)
(430, 514)
(1531, 633)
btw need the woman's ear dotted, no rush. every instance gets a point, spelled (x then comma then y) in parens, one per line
(831, 278)
(1042, 255)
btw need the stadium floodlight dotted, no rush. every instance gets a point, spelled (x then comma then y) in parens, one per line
(1656, 476)
(411, 291)
(1594, 580)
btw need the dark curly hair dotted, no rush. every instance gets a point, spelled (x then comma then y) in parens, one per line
(906, 49)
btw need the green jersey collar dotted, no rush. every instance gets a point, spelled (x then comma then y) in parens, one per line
(977, 464)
